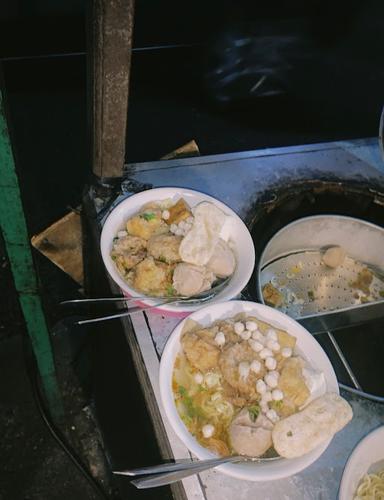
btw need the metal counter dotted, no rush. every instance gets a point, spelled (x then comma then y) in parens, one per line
(239, 180)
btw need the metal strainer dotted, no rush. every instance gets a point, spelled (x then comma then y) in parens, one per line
(309, 287)
(292, 264)
(310, 291)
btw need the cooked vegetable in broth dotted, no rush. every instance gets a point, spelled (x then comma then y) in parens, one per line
(234, 380)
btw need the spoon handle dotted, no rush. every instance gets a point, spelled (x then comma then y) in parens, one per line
(180, 464)
(176, 475)
(100, 299)
(128, 312)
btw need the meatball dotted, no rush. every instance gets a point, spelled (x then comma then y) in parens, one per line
(222, 263)
(248, 436)
(189, 279)
(152, 277)
(147, 224)
(165, 247)
(334, 256)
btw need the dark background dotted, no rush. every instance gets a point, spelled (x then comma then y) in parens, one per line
(193, 69)
(189, 80)
(328, 66)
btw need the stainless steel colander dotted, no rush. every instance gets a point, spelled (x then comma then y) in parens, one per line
(292, 263)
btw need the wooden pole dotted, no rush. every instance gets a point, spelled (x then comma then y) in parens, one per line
(110, 25)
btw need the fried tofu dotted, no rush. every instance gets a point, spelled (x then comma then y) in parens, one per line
(127, 252)
(147, 224)
(272, 296)
(165, 247)
(292, 381)
(152, 277)
(200, 350)
(178, 212)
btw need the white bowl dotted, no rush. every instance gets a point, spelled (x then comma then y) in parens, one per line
(243, 244)
(367, 457)
(306, 344)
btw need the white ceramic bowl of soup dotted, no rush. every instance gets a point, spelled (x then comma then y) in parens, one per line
(306, 346)
(241, 240)
(366, 458)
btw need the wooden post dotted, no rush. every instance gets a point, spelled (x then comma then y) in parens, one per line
(109, 57)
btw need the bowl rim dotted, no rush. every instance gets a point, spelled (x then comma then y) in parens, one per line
(138, 199)
(266, 471)
(364, 441)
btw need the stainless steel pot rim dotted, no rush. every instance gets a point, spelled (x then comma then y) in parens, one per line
(262, 263)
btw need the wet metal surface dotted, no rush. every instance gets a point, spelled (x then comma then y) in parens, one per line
(244, 181)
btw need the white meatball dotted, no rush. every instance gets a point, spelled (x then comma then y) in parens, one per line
(208, 430)
(245, 335)
(286, 352)
(261, 387)
(273, 345)
(270, 363)
(271, 379)
(239, 327)
(265, 353)
(255, 366)
(258, 336)
(220, 339)
(334, 256)
(277, 395)
(198, 378)
(251, 326)
(255, 345)
(271, 334)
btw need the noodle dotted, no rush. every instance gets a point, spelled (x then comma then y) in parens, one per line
(371, 487)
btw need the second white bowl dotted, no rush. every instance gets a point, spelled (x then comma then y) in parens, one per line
(306, 344)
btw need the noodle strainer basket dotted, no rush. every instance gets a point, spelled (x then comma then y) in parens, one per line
(308, 290)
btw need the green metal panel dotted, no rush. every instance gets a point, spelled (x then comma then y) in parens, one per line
(13, 227)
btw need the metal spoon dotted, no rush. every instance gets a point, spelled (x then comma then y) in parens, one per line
(180, 298)
(134, 310)
(193, 300)
(170, 473)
